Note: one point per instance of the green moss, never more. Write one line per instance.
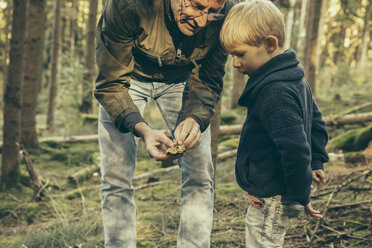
(352, 140)
(231, 143)
(228, 118)
(354, 157)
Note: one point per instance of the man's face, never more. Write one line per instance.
(193, 15)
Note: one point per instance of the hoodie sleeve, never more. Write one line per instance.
(205, 87)
(319, 139)
(116, 30)
(282, 119)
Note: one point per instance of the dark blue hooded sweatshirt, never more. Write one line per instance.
(284, 136)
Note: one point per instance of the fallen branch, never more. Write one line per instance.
(36, 185)
(349, 205)
(147, 185)
(344, 234)
(83, 174)
(349, 179)
(148, 174)
(226, 155)
(349, 119)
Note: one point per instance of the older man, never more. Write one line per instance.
(168, 50)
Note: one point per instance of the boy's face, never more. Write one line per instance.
(247, 59)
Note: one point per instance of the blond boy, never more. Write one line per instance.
(282, 144)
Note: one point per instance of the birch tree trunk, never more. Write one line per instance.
(54, 67)
(290, 16)
(89, 75)
(238, 87)
(365, 37)
(13, 98)
(301, 28)
(215, 127)
(33, 70)
(311, 43)
(7, 14)
(73, 27)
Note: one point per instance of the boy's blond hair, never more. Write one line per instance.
(250, 23)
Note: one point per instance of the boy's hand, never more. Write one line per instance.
(312, 212)
(319, 176)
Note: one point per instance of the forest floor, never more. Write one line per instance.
(69, 214)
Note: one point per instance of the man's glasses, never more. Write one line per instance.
(198, 11)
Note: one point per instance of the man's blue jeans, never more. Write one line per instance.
(118, 162)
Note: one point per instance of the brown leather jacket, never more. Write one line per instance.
(139, 39)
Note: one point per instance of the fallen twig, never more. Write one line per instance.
(349, 205)
(36, 185)
(345, 234)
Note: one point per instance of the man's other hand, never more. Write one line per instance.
(156, 142)
(319, 176)
(188, 133)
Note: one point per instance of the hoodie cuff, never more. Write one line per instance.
(129, 121)
(316, 162)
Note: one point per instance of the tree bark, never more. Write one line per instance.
(238, 87)
(54, 64)
(301, 28)
(215, 127)
(33, 70)
(7, 29)
(89, 75)
(311, 43)
(13, 98)
(290, 17)
(365, 37)
(73, 27)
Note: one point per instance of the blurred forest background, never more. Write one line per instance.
(49, 186)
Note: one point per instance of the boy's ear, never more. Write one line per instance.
(271, 43)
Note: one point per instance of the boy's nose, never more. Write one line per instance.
(236, 63)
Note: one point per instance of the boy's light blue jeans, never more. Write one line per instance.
(118, 162)
(267, 221)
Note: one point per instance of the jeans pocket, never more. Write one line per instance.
(292, 210)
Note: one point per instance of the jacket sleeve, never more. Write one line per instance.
(282, 119)
(205, 87)
(116, 31)
(319, 139)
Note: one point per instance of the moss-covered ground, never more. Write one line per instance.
(70, 214)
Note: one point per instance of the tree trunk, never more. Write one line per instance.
(33, 70)
(290, 16)
(54, 63)
(13, 97)
(312, 31)
(7, 29)
(238, 87)
(301, 28)
(365, 38)
(89, 75)
(73, 27)
(215, 127)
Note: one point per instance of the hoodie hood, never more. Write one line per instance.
(283, 67)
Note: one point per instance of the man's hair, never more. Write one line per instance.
(251, 22)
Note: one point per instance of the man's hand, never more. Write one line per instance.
(319, 176)
(188, 133)
(156, 142)
(312, 212)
